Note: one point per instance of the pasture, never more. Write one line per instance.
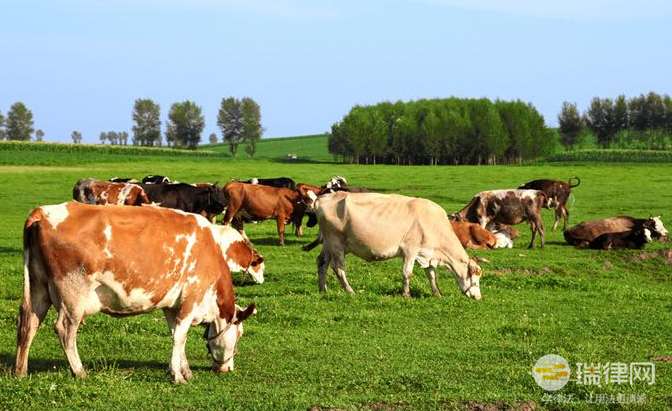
(373, 350)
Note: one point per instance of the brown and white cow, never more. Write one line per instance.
(583, 234)
(381, 226)
(557, 193)
(91, 191)
(472, 235)
(509, 207)
(85, 259)
(255, 202)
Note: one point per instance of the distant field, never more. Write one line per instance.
(307, 148)
(374, 350)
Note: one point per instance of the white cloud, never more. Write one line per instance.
(567, 9)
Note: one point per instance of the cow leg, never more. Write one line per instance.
(323, 260)
(171, 319)
(407, 273)
(558, 216)
(179, 341)
(338, 265)
(31, 315)
(565, 214)
(281, 229)
(66, 326)
(431, 276)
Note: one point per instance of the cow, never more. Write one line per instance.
(383, 226)
(151, 179)
(472, 235)
(636, 238)
(207, 201)
(123, 180)
(582, 234)
(507, 207)
(91, 191)
(122, 261)
(254, 202)
(504, 234)
(278, 182)
(557, 193)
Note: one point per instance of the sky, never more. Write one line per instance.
(80, 64)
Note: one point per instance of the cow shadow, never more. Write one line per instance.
(276, 241)
(10, 250)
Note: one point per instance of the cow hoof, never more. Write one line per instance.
(187, 374)
(80, 375)
(179, 379)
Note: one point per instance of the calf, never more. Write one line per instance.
(208, 201)
(557, 193)
(474, 236)
(507, 207)
(582, 234)
(85, 259)
(254, 202)
(628, 239)
(97, 192)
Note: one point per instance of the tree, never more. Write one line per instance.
(76, 137)
(103, 137)
(185, 124)
(251, 119)
(213, 138)
(19, 122)
(230, 121)
(3, 131)
(147, 127)
(600, 119)
(571, 124)
(123, 138)
(39, 135)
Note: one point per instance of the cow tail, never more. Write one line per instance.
(578, 182)
(29, 230)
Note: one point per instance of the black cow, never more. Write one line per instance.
(279, 182)
(156, 180)
(636, 238)
(209, 201)
(122, 180)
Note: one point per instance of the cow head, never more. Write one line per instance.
(239, 253)
(336, 183)
(222, 337)
(469, 281)
(655, 225)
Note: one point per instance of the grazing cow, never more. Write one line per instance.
(92, 191)
(207, 201)
(156, 180)
(122, 261)
(252, 202)
(472, 235)
(581, 235)
(636, 238)
(557, 193)
(506, 207)
(379, 227)
(278, 182)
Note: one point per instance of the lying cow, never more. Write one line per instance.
(151, 179)
(208, 201)
(557, 193)
(504, 234)
(628, 239)
(581, 235)
(379, 227)
(85, 259)
(472, 235)
(252, 202)
(278, 182)
(509, 207)
(91, 191)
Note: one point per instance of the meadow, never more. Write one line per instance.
(375, 349)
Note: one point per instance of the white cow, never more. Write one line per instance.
(380, 226)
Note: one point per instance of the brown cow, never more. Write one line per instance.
(84, 259)
(472, 235)
(255, 202)
(506, 207)
(581, 235)
(557, 193)
(97, 192)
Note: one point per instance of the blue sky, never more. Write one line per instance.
(80, 64)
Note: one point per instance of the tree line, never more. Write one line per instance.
(442, 131)
(238, 119)
(644, 121)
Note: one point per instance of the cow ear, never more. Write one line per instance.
(242, 315)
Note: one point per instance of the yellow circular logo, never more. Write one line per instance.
(551, 372)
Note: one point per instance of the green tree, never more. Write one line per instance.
(39, 135)
(147, 123)
(76, 137)
(570, 124)
(103, 137)
(252, 129)
(433, 129)
(185, 124)
(600, 119)
(123, 138)
(19, 122)
(212, 138)
(3, 130)
(230, 121)
(620, 114)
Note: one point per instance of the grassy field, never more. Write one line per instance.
(307, 148)
(374, 350)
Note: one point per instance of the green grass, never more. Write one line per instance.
(614, 156)
(307, 148)
(374, 349)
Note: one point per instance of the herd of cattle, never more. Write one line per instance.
(160, 248)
